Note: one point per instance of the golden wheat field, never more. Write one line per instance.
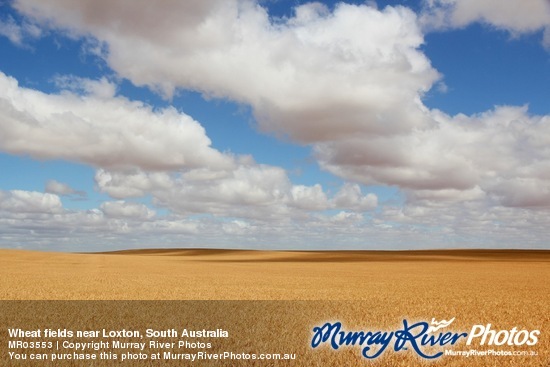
(273, 299)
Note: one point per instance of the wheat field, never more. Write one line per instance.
(279, 296)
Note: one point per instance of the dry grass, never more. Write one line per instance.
(505, 288)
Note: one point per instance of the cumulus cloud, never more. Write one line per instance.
(38, 220)
(309, 197)
(249, 191)
(316, 76)
(123, 209)
(348, 82)
(343, 217)
(129, 184)
(237, 227)
(471, 224)
(350, 197)
(100, 129)
(463, 156)
(18, 201)
(331, 79)
(35, 219)
(515, 16)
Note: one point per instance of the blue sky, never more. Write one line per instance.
(274, 124)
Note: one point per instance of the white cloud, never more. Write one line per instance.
(515, 16)
(309, 197)
(343, 217)
(348, 82)
(174, 226)
(100, 129)
(331, 79)
(37, 220)
(18, 201)
(123, 209)
(357, 65)
(350, 197)
(135, 183)
(248, 191)
(236, 227)
(460, 155)
(444, 197)
(527, 192)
